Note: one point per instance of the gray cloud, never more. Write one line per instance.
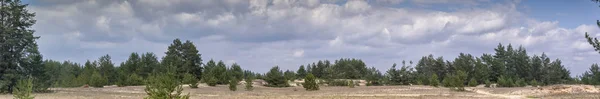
(259, 34)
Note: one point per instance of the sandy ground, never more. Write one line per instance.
(259, 92)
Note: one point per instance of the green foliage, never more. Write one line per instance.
(534, 83)
(374, 77)
(447, 82)
(184, 57)
(211, 81)
(351, 84)
(191, 80)
(454, 81)
(592, 76)
(289, 75)
(402, 76)
(344, 69)
(129, 80)
(249, 86)
(23, 89)
(107, 70)
(505, 82)
(593, 41)
(275, 78)
(301, 72)
(19, 52)
(135, 80)
(429, 65)
(433, 81)
(164, 86)
(220, 73)
(310, 83)
(236, 71)
(97, 80)
(233, 84)
(488, 83)
(520, 83)
(472, 83)
(63, 74)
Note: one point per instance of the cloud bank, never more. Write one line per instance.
(259, 34)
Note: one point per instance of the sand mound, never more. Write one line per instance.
(558, 89)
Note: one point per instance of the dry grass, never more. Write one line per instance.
(259, 92)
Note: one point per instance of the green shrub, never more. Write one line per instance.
(96, 80)
(520, 83)
(504, 81)
(164, 86)
(534, 83)
(419, 82)
(211, 81)
(23, 89)
(309, 83)
(447, 82)
(249, 86)
(454, 81)
(275, 78)
(233, 84)
(433, 81)
(472, 83)
(350, 83)
(488, 83)
(135, 80)
(191, 80)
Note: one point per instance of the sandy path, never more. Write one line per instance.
(496, 95)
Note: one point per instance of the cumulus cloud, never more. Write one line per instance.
(259, 34)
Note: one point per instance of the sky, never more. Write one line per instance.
(260, 34)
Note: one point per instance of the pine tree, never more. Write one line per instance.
(275, 78)
(249, 86)
(534, 83)
(593, 41)
(107, 69)
(220, 73)
(236, 71)
(191, 80)
(209, 71)
(393, 75)
(351, 84)
(433, 81)
(233, 84)
(301, 72)
(211, 81)
(184, 57)
(97, 80)
(149, 64)
(164, 86)
(488, 83)
(472, 83)
(135, 80)
(289, 75)
(23, 89)
(18, 49)
(310, 83)
(374, 77)
(592, 76)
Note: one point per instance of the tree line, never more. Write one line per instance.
(508, 67)
(22, 67)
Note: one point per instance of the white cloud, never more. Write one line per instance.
(263, 33)
(298, 53)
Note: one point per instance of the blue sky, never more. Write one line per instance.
(259, 34)
(570, 13)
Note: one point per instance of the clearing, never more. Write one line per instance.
(359, 92)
